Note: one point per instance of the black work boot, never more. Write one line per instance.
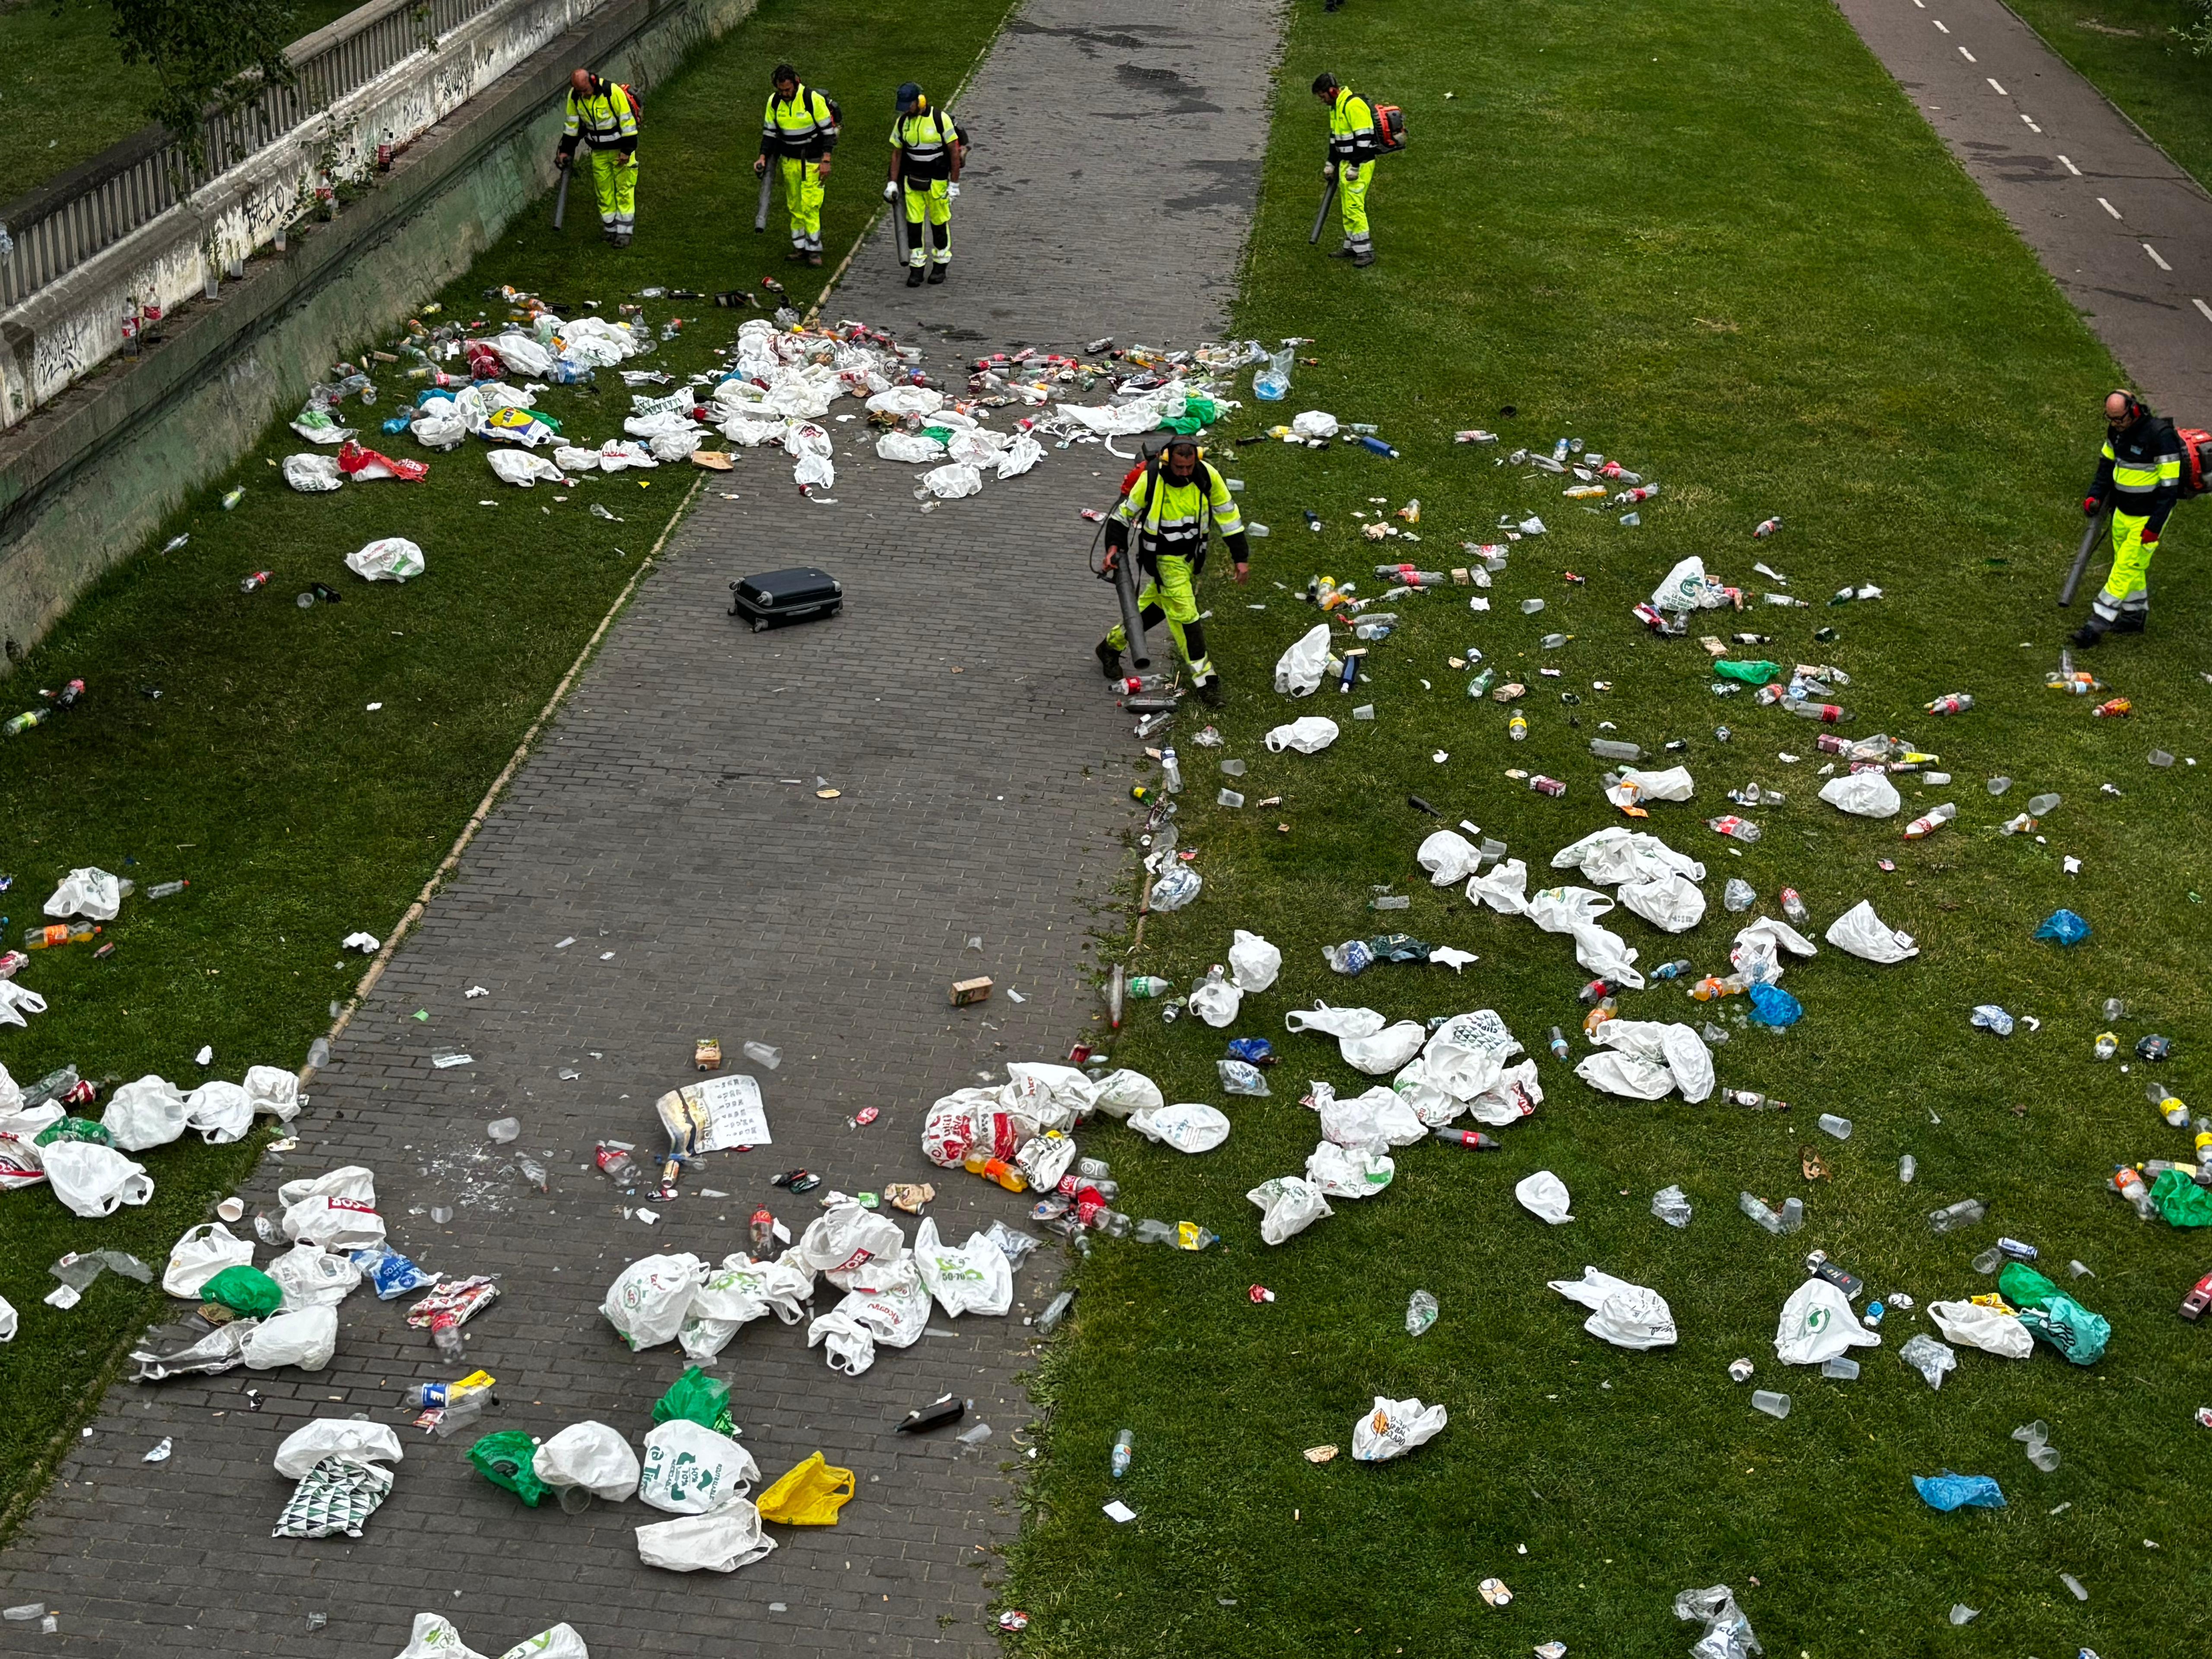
(914, 276)
(2131, 623)
(1109, 660)
(1365, 256)
(1346, 252)
(937, 272)
(2090, 633)
(1209, 690)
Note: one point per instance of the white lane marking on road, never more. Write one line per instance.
(2202, 306)
(2154, 259)
(1968, 55)
(1992, 80)
(2108, 207)
(2070, 167)
(2031, 127)
(1939, 24)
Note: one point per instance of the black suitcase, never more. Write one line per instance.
(777, 597)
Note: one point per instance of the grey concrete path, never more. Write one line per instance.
(982, 770)
(2127, 234)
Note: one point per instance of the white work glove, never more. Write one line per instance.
(1329, 169)
(952, 193)
(891, 190)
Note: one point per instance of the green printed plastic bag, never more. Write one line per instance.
(506, 1459)
(2069, 1327)
(75, 1129)
(2024, 1287)
(247, 1291)
(696, 1398)
(1751, 673)
(2181, 1200)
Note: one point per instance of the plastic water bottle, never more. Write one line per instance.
(1420, 1313)
(1559, 1044)
(1055, 1312)
(1758, 1210)
(1125, 1449)
(1965, 1213)
(1377, 446)
(1171, 770)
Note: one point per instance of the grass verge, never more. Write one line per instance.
(2126, 50)
(1711, 239)
(263, 774)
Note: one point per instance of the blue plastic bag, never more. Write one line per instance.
(1252, 1051)
(1772, 1006)
(392, 1274)
(2064, 926)
(1947, 1491)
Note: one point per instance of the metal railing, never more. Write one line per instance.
(66, 221)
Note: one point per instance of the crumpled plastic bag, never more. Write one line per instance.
(1380, 1116)
(1634, 785)
(1466, 1055)
(87, 892)
(371, 466)
(222, 1111)
(649, 1299)
(1314, 423)
(312, 1277)
(1947, 1491)
(1544, 1195)
(1394, 1428)
(390, 558)
(1189, 1127)
(1772, 1006)
(888, 1304)
(1687, 588)
(1973, 1325)
(1123, 1092)
(1673, 903)
(689, 1468)
(2181, 1200)
(1058, 1097)
(737, 1292)
(1176, 889)
(1253, 963)
(1288, 1205)
(517, 467)
(1757, 952)
(1616, 854)
(1929, 1357)
(313, 474)
(303, 1337)
(1504, 890)
(16, 1001)
(1298, 670)
(336, 1210)
(1866, 935)
(1863, 794)
(1728, 1632)
(1350, 1171)
(975, 1278)
(1338, 1023)
(952, 481)
(355, 1439)
(592, 1456)
(1308, 735)
(1216, 1002)
(844, 1239)
(1019, 457)
(912, 447)
(2063, 926)
(1385, 1050)
(1817, 1324)
(145, 1114)
(1627, 1315)
(722, 1542)
(1644, 1059)
(200, 1255)
(95, 1181)
(1448, 857)
(523, 355)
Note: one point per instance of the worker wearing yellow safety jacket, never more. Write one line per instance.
(2139, 477)
(798, 131)
(926, 149)
(600, 113)
(1171, 503)
(1352, 152)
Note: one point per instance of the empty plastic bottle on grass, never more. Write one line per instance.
(1828, 714)
(1420, 1313)
(1906, 1169)
(1613, 749)
(1952, 1217)
(1735, 829)
(1125, 1452)
(1473, 1140)
(1150, 985)
(1739, 895)
(1055, 1312)
(2168, 1106)
(1787, 1219)
(2128, 1184)
(61, 932)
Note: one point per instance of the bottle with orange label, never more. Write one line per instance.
(979, 1162)
(44, 938)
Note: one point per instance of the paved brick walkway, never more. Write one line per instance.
(956, 708)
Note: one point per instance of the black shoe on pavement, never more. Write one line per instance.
(937, 272)
(2090, 633)
(1109, 660)
(914, 276)
(1209, 691)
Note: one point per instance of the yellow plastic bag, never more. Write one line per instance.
(808, 1496)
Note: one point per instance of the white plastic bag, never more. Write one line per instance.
(1338, 1023)
(95, 1181)
(1189, 1127)
(145, 1114)
(911, 447)
(1288, 1204)
(1124, 1091)
(1865, 934)
(1989, 1329)
(87, 892)
(842, 1241)
(1308, 734)
(200, 1255)
(1544, 1195)
(1817, 1324)
(737, 1292)
(567, 458)
(1679, 1053)
(517, 467)
(976, 1278)
(1467, 1053)
(313, 474)
(1314, 423)
(1350, 1171)
(1394, 1428)
(1687, 588)
(647, 1302)
(888, 1304)
(1673, 903)
(1176, 889)
(355, 1439)
(1216, 1001)
(305, 1337)
(1057, 1096)
(435, 1637)
(690, 1469)
(523, 355)
(1675, 783)
(1757, 952)
(953, 480)
(391, 558)
(337, 1210)
(312, 1277)
(274, 1090)
(220, 1111)
(1863, 794)
(1448, 857)
(1627, 1315)
(1504, 890)
(591, 1455)
(723, 1541)
(1298, 670)
(1385, 1050)
(1253, 963)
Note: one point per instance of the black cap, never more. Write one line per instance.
(909, 94)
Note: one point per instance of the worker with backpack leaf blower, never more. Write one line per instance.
(1171, 499)
(1358, 131)
(604, 114)
(2147, 466)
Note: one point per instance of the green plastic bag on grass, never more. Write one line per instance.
(507, 1459)
(2069, 1327)
(247, 1291)
(1751, 673)
(2024, 1287)
(75, 1129)
(2181, 1200)
(697, 1397)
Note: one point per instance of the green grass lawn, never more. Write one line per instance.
(1711, 239)
(2127, 50)
(261, 776)
(65, 90)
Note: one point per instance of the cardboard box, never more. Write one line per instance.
(967, 990)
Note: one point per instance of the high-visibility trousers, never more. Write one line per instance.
(614, 180)
(802, 195)
(928, 196)
(1170, 595)
(2126, 591)
(1352, 184)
